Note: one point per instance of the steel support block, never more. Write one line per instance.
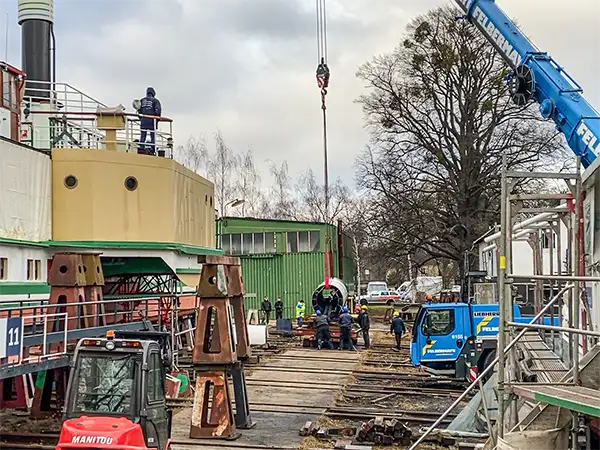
(220, 341)
(236, 291)
(212, 413)
(242, 408)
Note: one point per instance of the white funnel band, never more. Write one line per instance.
(36, 10)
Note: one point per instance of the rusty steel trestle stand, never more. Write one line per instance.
(76, 282)
(220, 347)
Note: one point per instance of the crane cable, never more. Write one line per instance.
(322, 75)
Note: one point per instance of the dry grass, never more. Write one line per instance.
(328, 422)
(311, 442)
(382, 337)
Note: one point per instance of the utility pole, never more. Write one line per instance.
(357, 256)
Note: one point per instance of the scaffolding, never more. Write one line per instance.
(571, 392)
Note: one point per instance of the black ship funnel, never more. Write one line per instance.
(36, 18)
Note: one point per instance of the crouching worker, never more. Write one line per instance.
(323, 336)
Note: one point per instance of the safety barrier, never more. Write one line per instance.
(45, 352)
(108, 311)
(57, 115)
(60, 97)
(45, 331)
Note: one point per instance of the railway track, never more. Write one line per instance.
(28, 441)
(390, 392)
(338, 412)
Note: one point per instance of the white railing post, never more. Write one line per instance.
(44, 345)
(65, 333)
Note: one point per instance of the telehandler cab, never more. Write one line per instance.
(116, 393)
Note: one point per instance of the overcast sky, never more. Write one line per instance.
(247, 66)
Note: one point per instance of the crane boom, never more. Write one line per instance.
(537, 76)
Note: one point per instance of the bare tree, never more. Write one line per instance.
(193, 155)
(283, 204)
(440, 119)
(221, 171)
(311, 196)
(264, 208)
(248, 185)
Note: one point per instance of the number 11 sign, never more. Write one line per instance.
(11, 331)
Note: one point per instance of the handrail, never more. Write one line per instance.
(80, 130)
(83, 319)
(107, 310)
(57, 115)
(95, 114)
(45, 325)
(103, 301)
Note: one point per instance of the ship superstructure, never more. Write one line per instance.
(75, 189)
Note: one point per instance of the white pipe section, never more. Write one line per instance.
(488, 248)
(521, 225)
(523, 233)
(518, 235)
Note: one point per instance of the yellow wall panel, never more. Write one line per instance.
(170, 203)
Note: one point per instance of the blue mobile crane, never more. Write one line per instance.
(460, 339)
(536, 76)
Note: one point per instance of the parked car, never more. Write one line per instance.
(381, 298)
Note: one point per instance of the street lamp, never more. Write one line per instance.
(233, 203)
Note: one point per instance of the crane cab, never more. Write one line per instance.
(116, 396)
(440, 335)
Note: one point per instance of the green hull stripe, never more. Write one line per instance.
(22, 242)
(123, 245)
(135, 245)
(188, 271)
(10, 288)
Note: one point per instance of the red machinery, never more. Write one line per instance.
(116, 394)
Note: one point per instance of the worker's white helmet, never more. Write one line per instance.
(137, 104)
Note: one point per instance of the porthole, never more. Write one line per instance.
(70, 181)
(131, 183)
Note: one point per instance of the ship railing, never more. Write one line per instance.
(80, 130)
(58, 96)
(49, 331)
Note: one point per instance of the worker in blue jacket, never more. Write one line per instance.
(397, 328)
(149, 106)
(345, 323)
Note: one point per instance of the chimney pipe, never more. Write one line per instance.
(36, 18)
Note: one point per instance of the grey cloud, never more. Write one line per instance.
(277, 19)
(247, 66)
